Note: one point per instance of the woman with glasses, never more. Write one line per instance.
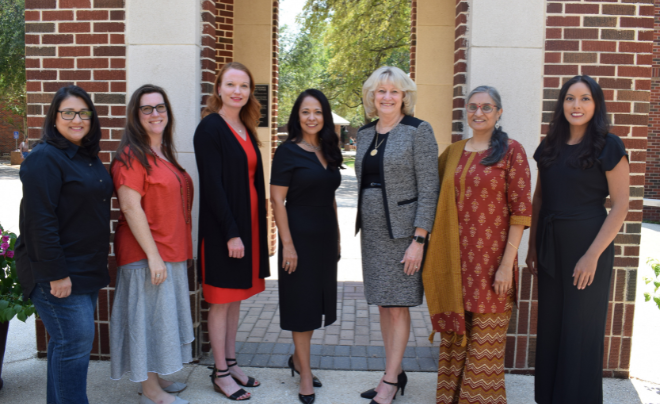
(62, 252)
(151, 330)
(471, 268)
(396, 167)
(233, 238)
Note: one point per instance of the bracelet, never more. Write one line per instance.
(513, 246)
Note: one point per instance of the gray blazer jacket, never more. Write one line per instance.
(409, 173)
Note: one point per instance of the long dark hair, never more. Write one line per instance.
(250, 113)
(499, 140)
(327, 136)
(588, 150)
(135, 142)
(49, 133)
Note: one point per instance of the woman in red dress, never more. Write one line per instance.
(233, 249)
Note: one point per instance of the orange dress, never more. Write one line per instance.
(215, 295)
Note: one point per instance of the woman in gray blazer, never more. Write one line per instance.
(397, 170)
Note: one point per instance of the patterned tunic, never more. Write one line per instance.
(489, 199)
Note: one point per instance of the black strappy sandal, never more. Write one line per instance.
(236, 395)
(393, 397)
(251, 380)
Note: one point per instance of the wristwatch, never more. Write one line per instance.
(419, 239)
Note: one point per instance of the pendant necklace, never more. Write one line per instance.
(377, 145)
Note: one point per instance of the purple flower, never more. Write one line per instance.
(5, 239)
(9, 254)
(4, 246)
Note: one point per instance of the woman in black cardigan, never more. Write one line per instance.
(233, 249)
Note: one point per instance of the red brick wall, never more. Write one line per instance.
(79, 42)
(7, 142)
(652, 183)
(460, 69)
(612, 42)
(413, 39)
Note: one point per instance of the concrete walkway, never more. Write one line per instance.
(24, 374)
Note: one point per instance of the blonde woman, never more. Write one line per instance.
(397, 170)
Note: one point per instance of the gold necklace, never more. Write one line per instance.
(377, 145)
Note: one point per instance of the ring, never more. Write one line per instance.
(416, 267)
(158, 275)
(288, 263)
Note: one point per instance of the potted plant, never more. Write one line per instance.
(11, 294)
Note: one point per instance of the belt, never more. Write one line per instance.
(546, 252)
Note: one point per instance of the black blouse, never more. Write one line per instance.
(224, 205)
(64, 219)
(371, 176)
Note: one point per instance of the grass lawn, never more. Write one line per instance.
(349, 162)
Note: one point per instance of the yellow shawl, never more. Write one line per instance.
(442, 265)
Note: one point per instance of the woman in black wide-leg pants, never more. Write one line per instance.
(571, 243)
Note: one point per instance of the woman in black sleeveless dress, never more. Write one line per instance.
(306, 174)
(571, 243)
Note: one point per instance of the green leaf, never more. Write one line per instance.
(3, 304)
(21, 316)
(657, 301)
(647, 296)
(8, 313)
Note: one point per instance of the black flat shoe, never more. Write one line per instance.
(402, 381)
(308, 399)
(315, 380)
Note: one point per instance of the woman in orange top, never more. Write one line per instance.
(151, 330)
(233, 239)
(471, 266)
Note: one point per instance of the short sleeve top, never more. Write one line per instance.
(309, 183)
(567, 188)
(167, 195)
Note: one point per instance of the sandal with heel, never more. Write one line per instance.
(251, 380)
(236, 395)
(402, 379)
(395, 391)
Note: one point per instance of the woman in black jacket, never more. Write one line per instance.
(233, 240)
(62, 253)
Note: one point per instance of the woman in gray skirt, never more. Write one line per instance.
(396, 166)
(151, 329)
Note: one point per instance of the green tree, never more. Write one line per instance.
(13, 97)
(359, 36)
(302, 64)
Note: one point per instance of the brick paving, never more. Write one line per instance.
(353, 342)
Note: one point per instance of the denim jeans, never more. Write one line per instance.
(70, 323)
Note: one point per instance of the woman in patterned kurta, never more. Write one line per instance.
(486, 182)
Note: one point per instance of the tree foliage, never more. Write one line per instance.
(12, 59)
(340, 44)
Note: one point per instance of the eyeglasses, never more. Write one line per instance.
(485, 108)
(71, 115)
(148, 109)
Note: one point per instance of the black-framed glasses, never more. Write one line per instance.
(85, 115)
(149, 109)
(485, 108)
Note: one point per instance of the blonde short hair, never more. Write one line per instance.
(396, 77)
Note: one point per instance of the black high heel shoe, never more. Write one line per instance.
(315, 381)
(306, 399)
(393, 397)
(402, 380)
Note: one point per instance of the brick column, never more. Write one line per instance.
(612, 42)
(79, 42)
(413, 38)
(460, 69)
(652, 183)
